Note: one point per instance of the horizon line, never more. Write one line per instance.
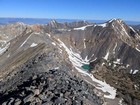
(68, 18)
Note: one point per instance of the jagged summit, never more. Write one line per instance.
(113, 19)
(119, 21)
(75, 24)
(53, 23)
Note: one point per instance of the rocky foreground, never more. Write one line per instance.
(53, 87)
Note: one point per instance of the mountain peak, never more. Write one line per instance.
(115, 20)
(52, 22)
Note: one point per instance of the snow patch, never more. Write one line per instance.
(56, 68)
(136, 87)
(103, 63)
(82, 28)
(49, 35)
(106, 56)
(120, 102)
(114, 48)
(2, 50)
(127, 65)
(117, 62)
(114, 65)
(84, 43)
(86, 59)
(101, 85)
(131, 71)
(135, 71)
(103, 25)
(93, 60)
(69, 30)
(33, 45)
(109, 64)
(53, 43)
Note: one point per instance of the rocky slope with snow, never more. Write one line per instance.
(106, 56)
(112, 51)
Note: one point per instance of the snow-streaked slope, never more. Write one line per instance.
(77, 61)
(75, 58)
(112, 20)
(102, 25)
(82, 28)
(25, 41)
(2, 50)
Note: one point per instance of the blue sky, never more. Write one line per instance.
(72, 9)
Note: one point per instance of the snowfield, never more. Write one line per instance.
(77, 61)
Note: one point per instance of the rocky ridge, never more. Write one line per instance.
(55, 86)
(46, 89)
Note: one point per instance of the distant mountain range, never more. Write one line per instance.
(46, 20)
